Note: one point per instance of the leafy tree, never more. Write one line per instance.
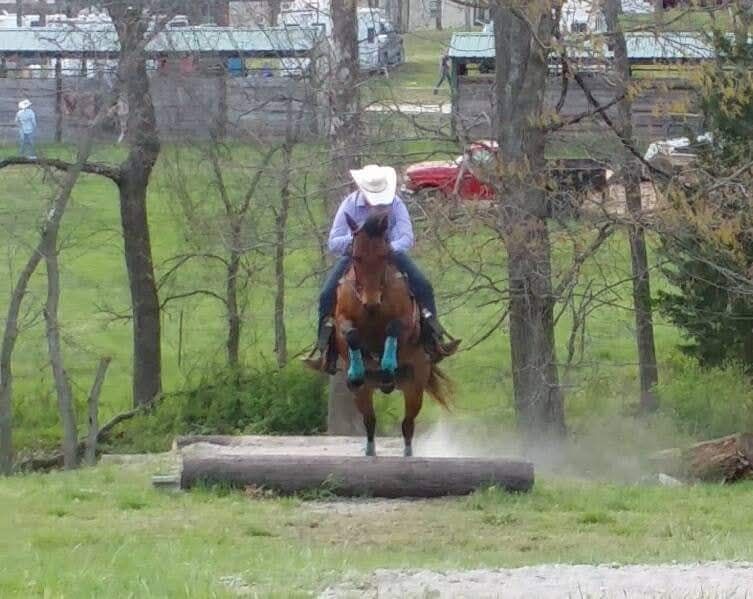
(707, 240)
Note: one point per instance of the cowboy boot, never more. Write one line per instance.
(437, 348)
(322, 358)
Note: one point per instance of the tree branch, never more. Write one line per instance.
(94, 168)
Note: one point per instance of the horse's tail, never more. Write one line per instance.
(440, 387)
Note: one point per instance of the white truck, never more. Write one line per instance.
(379, 44)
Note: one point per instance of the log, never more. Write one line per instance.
(388, 477)
(726, 460)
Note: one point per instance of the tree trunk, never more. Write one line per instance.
(638, 255)
(355, 476)
(136, 171)
(274, 12)
(90, 452)
(345, 128)
(19, 13)
(10, 335)
(728, 459)
(438, 16)
(538, 398)
(281, 224)
(521, 70)
(233, 313)
(60, 376)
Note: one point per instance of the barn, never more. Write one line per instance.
(662, 104)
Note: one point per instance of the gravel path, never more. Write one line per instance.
(681, 581)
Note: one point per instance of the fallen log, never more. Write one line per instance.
(724, 460)
(356, 476)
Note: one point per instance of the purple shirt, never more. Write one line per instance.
(400, 232)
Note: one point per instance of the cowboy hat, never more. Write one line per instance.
(377, 183)
(24, 104)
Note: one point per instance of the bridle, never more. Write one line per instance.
(353, 283)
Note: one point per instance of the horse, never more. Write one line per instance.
(378, 333)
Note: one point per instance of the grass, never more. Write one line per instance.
(104, 532)
(414, 80)
(601, 379)
(679, 19)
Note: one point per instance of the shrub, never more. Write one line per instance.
(271, 401)
(708, 402)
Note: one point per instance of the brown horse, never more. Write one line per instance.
(378, 332)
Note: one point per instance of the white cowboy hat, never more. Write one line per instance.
(378, 183)
(24, 104)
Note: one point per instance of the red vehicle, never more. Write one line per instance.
(458, 178)
(452, 177)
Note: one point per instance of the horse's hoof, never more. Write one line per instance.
(387, 389)
(408, 451)
(370, 449)
(355, 384)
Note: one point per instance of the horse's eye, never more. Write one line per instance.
(357, 259)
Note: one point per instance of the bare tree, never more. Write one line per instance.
(631, 177)
(131, 21)
(345, 131)
(522, 41)
(46, 248)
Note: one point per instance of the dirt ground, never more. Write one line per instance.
(681, 581)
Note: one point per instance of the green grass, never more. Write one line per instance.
(414, 80)
(679, 19)
(104, 532)
(602, 378)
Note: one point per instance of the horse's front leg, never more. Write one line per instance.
(356, 369)
(388, 365)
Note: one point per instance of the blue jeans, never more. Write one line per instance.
(419, 284)
(26, 145)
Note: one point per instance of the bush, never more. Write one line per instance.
(708, 402)
(288, 401)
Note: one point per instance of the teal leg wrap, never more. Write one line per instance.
(389, 357)
(356, 368)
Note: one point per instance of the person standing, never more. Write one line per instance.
(26, 121)
(444, 70)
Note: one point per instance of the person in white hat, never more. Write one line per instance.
(26, 121)
(376, 192)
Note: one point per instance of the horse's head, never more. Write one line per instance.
(370, 254)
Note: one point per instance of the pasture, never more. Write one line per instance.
(104, 531)
(600, 378)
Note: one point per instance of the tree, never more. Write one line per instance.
(523, 37)
(132, 22)
(345, 131)
(631, 177)
(707, 239)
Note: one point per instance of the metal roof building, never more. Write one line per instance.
(643, 47)
(215, 41)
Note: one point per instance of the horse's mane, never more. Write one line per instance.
(376, 225)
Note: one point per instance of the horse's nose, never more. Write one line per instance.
(371, 307)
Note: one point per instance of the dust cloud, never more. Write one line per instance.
(613, 448)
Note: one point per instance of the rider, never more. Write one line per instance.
(376, 192)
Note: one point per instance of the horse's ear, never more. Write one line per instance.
(351, 223)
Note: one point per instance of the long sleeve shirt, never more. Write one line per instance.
(400, 231)
(26, 121)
